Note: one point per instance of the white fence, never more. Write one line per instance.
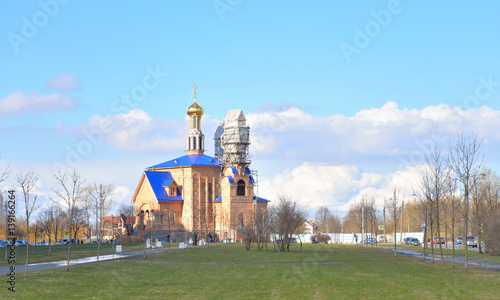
(353, 238)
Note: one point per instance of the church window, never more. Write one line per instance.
(241, 188)
(172, 191)
(199, 142)
(194, 143)
(194, 122)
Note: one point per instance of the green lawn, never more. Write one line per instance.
(229, 271)
(60, 252)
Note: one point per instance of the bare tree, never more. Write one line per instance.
(352, 221)
(334, 223)
(59, 220)
(79, 221)
(490, 223)
(101, 195)
(453, 203)
(395, 211)
(435, 172)
(49, 222)
(5, 173)
(288, 219)
(321, 218)
(126, 210)
(27, 182)
(465, 160)
(87, 204)
(69, 194)
(262, 227)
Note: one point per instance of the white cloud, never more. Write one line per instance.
(20, 102)
(339, 186)
(137, 131)
(387, 131)
(67, 82)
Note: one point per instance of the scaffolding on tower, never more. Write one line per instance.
(232, 139)
(255, 177)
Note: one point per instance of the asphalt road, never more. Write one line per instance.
(459, 247)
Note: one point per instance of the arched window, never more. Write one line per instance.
(194, 143)
(241, 188)
(194, 122)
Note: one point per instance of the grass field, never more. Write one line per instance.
(229, 271)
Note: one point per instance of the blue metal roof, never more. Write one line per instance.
(173, 199)
(247, 170)
(251, 179)
(218, 199)
(167, 182)
(260, 199)
(235, 171)
(189, 160)
(157, 180)
(230, 178)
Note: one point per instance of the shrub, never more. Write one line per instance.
(322, 239)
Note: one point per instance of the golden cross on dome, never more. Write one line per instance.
(194, 91)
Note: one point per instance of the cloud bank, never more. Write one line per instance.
(66, 82)
(19, 102)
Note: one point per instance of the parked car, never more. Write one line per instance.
(436, 240)
(22, 243)
(471, 241)
(370, 240)
(66, 241)
(458, 241)
(44, 243)
(406, 240)
(414, 242)
(4, 243)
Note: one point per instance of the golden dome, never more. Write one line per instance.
(195, 108)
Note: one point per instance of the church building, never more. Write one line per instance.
(197, 193)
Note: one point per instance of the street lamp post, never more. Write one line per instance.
(362, 220)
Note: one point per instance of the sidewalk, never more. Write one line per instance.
(447, 258)
(84, 260)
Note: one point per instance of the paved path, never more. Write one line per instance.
(62, 263)
(447, 258)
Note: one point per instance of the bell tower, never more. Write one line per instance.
(195, 138)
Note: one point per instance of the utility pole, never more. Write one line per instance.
(401, 235)
(385, 236)
(363, 220)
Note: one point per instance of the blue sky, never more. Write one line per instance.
(358, 117)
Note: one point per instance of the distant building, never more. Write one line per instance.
(197, 192)
(309, 227)
(113, 226)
